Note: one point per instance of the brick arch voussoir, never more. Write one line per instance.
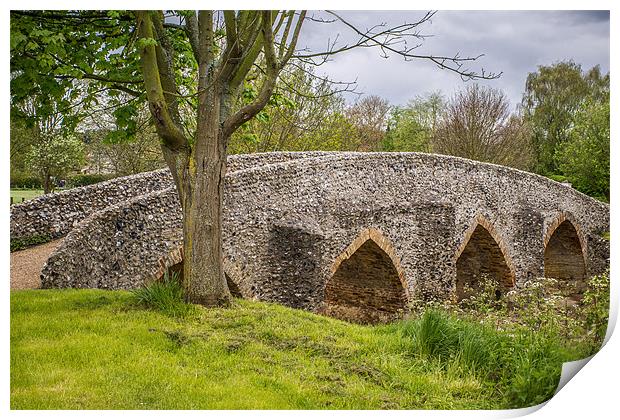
(560, 218)
(480, 220)
(383, 243)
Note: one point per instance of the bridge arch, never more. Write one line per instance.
(565, 254)
(482, 253)
(367, 282)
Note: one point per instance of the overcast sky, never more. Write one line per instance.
(514, 43)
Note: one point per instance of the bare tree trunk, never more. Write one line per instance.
(47, 183)
(202, 197)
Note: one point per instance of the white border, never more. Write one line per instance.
(592, 393)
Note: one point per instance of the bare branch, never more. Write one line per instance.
(393, 40)
(293, 44)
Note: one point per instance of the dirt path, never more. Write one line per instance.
(26, 265)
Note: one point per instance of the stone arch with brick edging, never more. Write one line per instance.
(565, 255)
(480, 220)
(367, 282)
(565, 216)
(382, 242)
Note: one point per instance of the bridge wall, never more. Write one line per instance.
(287, 223)
(56, 214)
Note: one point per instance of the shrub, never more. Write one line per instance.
(596, 308)
(165, 295)
(26, 182)
(27, 242)
(485, 297)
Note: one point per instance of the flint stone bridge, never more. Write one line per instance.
(352, 235)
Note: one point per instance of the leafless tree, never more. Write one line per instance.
(369, 119)
(478, 125)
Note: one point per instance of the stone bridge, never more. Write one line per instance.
(353, 235)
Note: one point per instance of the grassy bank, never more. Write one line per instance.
(24, 195)
(99, 350)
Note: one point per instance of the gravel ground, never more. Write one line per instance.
(26, 265)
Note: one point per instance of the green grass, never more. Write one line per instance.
(26, 195)
(165, 295)
(100, 350)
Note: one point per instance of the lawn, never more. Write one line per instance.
(97, 349)
(24, 195)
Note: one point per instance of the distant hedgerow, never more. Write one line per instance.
(27, 242)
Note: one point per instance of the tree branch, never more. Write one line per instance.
(172, 137)
(293, 44)
(164, 53)
(289, 22)
(234, 68)
(191, 28)
(394, 40)
(249, 111)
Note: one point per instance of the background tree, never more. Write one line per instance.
(411, 128)
(478, 125)
(190, 67)
(304, 113)
(553, 95)
(38, 122)
(110, 150)
(584, 157)
(22, 138)
(368, 118)
(54, 157)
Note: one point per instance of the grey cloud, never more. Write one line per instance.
(513, 42)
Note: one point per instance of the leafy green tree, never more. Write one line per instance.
(191, 68)
(303, 114)
(21, 139)
(411, 128)
(54, 157)
(584, 157)
(553, 95)
(404, 133)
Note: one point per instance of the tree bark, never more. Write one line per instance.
(201, 193)
(47, 183)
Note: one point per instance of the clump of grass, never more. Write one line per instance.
(524, 366)
(165, 295)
